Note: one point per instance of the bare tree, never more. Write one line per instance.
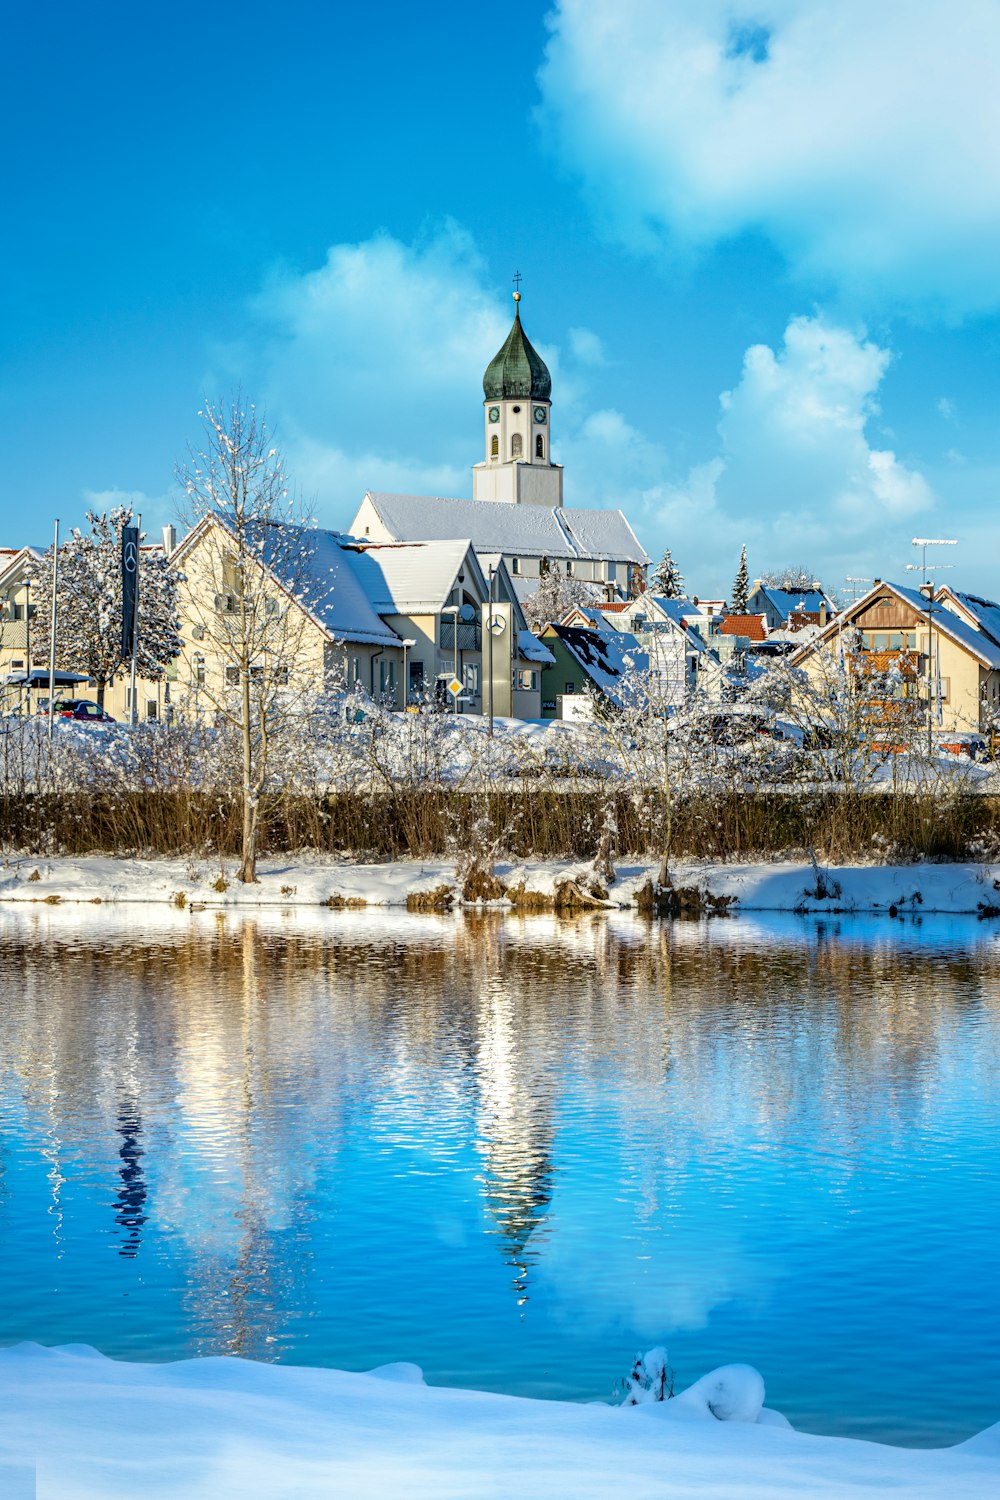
(252, 587)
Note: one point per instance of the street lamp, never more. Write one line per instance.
(407, 646)
(923, 542)
(452, 609)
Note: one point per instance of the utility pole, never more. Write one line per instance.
(923, 542)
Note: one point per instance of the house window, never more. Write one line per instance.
(539, 446)
(152, 709)
(612, 572)
(356, 670)
(17, 666)
(198, 669)
(470, 674)
(494, 446)
(525, 681)
(387, 677)
(232, 677)
(515, 565)
(569, 569)
(516, 445)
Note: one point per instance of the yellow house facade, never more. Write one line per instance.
(938, 651)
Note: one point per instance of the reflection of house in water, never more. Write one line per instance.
(514, 1128)
(130, 1203)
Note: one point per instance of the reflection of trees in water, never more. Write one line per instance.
(215, 1074)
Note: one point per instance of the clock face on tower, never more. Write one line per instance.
(494, 413)
(539, 414)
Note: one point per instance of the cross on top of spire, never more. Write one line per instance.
(517, 278)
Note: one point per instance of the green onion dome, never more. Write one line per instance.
(518, 369)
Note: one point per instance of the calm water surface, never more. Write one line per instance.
(514, 1150)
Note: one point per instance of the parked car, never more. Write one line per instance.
(85, 710)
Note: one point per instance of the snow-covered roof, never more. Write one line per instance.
(785, 600)
(604, 655)
(986, 612)
(977, 641)
(337, 597)
(409, 578)
(516, 530)
(530, 648)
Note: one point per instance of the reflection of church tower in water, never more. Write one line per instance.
(130, 1204)
(514, 1131)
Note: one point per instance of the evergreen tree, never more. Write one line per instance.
(89, 624)
(741, 587)
(667, 579)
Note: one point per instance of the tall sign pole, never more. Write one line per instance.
(52, 636)
(130, 603)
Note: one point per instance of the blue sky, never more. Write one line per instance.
(760, 246)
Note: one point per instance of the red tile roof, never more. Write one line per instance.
(615, 607)
(752, 626)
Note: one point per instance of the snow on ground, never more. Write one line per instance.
(309, 880)
(83, 1427)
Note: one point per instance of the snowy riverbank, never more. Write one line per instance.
(312, 881)
(84, 1427)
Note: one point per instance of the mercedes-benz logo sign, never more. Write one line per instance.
(130, 557)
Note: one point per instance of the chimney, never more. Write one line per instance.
(169, 540)
(822, 613)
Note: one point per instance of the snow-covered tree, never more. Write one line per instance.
(667, 580)
(89, 590)
(792, 576)
(554, 597)
(249, 592)
(741, 587)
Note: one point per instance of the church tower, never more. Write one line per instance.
(517, 387)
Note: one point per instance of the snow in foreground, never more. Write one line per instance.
(306, 880)
(91, 1427)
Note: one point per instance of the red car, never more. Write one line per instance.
(83, 709)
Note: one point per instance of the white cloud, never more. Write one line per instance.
(370, 367)
(797, 477)
(859, 137)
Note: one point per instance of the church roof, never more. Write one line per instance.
(518, 369)
(516, 530)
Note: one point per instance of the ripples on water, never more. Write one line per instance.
(513, 1150)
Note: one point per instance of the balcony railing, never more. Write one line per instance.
(470, 635)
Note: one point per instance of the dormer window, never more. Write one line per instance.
(515, 565)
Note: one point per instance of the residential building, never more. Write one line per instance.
(587, 660)
(945, 651)
(395, 620)
(777, 604)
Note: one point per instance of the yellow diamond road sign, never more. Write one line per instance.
(454, 687)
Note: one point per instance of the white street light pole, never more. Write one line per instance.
(452, 609)
(407, 646)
